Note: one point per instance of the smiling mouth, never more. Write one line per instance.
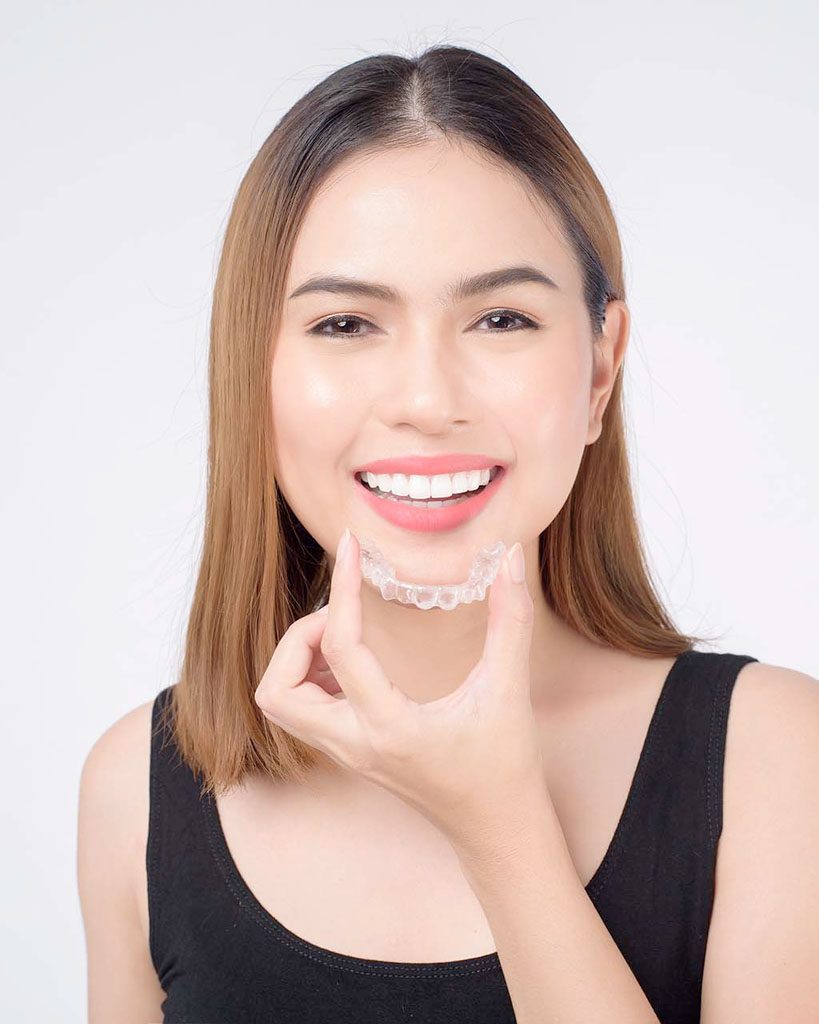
(431, 503)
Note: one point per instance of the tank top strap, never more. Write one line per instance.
(725, 669)
(177, 856)
(674, 813)
(684, 769)
(169, 769)
(657, 893)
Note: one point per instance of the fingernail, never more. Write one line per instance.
(517, 566)
(343, 544)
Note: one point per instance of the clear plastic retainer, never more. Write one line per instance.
(381, 574)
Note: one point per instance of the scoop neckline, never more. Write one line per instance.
(248, 901)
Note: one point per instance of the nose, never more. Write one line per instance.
(428, 384)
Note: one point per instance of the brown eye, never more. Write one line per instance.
(340, 321)
(507, 314)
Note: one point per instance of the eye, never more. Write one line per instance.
(507, 314)
(338, 320)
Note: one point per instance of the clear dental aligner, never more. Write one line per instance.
(381, 574)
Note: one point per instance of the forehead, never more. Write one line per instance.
(422, 215)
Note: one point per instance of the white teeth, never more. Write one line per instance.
(421, 488)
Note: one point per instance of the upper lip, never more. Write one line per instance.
(430, 465)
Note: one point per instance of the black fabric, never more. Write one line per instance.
(223, 959)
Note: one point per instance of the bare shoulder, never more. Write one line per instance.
(771, 706)
(116, 784)
(773, 720)
(111, 844)
(127, 734)
(766, 885)
(115, 774)
(764, 678)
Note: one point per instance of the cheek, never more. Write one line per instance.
(549, 397)
(310, 420)
(550, 427)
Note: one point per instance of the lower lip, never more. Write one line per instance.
(428, 520)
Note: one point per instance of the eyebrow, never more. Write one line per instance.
(463, 288)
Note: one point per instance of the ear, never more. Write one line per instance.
(607, 355)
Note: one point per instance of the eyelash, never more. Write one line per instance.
(527, 324)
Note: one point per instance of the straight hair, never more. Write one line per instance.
(260, 570)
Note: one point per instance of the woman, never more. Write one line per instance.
(509, 809)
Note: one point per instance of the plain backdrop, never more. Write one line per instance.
(126, 130)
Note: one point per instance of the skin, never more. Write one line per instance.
(427, 377)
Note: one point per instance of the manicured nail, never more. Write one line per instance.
(517, 566)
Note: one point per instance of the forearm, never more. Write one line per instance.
(559, 961)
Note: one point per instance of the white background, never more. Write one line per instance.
(126, 130)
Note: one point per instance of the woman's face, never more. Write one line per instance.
(425, 374)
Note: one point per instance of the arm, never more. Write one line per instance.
(559, 961)
(762, 958)
(122, 982)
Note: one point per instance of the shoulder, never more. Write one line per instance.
(771, 707)
(772, 740)
(766, 885)
(114, 789)
(111, 872)
(113, 764)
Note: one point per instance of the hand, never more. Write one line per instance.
(464, 761)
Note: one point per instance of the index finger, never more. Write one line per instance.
(356, 668)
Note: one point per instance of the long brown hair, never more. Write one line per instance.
(260, 570)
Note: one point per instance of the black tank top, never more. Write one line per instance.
(221, 958)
